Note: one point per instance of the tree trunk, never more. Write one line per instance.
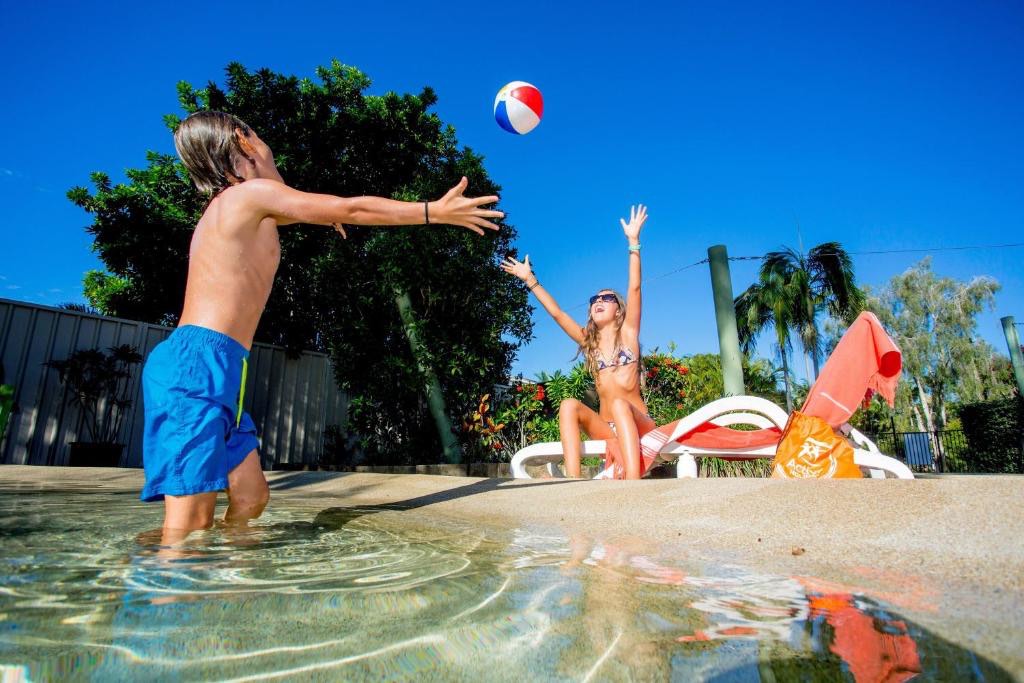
(917, 418)
(923, 398)
(814, 358)
(930, 422)
(817, 340)
(785, 377)
(981, 385)
(435, 399)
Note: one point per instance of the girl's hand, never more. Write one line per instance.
(522, 270)
(455, 209)
(637, 217)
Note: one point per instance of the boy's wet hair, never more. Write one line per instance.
(208, 146)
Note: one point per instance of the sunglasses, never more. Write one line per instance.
(607, 298)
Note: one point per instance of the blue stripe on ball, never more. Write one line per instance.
(501, 116)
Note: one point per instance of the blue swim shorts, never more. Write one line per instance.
(195, 429)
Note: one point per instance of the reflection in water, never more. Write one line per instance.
(373, 593)
(786, 611)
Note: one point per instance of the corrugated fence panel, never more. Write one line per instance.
(292, 401)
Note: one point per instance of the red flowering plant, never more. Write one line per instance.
(677, 386)
(524, 413)
(511, 425)
(666, 387)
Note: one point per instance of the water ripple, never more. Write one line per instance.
(381, 594)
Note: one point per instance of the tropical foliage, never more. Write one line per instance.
(795, 292)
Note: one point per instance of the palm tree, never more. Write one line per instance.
(818, 281)
(765, 304)
(793, 288)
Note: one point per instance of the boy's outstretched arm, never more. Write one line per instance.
(288, 205)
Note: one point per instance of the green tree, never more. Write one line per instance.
(331, 294)
(819, 282)
(106, 293)
(141, 231)
(767, 304)
(934, 321)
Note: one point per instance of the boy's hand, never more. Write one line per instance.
(637, 217)
(454, 209)
(340, 229)
(521, 270)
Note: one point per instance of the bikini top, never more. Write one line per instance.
(621, 357)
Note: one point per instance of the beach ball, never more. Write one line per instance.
(518, 107)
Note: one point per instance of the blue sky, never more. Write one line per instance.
(880, 125)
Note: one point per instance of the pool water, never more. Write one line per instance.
(318, 593)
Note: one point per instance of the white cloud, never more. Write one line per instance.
(13, 286)
(55, 290)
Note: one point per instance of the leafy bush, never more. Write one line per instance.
(994, 433)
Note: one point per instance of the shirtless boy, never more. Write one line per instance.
(197, 439)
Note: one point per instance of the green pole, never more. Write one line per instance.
(435, 399)
(725, 315)
(1016, 357)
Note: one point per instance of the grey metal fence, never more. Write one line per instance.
(948, 450)
(292, 401)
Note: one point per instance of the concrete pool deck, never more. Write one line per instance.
(933, 547)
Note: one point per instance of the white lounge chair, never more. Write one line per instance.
(706, 433)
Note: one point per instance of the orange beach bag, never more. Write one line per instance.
(809, 449)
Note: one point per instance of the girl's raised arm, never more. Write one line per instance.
(524, 271)
(637, 217)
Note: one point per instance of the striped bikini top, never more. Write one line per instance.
(621, 357)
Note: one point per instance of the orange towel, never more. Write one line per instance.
(707, 435)
(865, 361)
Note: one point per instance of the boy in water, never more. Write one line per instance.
(197, 439)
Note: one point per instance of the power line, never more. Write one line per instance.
(677, 270)
(872, 252)
(976, 246)
(900, 251)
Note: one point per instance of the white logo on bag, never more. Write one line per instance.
(810, 468)
(812, 450)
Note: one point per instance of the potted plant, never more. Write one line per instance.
(98, 382)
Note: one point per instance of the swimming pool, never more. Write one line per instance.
(377, 593)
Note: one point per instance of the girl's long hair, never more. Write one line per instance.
(589, 346)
